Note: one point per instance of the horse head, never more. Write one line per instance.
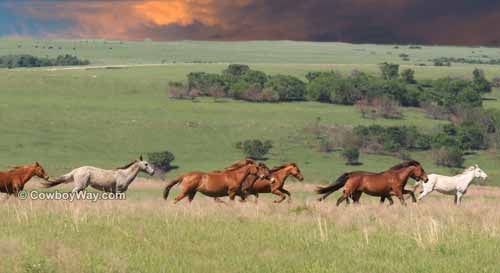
(263, 171)
(478, 173)
(295, 172)
(145, 166)
(39, 171)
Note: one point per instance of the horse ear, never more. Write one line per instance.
(140, 158)
(37, 164)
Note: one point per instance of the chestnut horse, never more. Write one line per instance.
(275, 184)
(384, 184)
(13, 181)
(227, 182)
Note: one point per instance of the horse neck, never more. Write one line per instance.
(404, 174)
(467, 178)
(131, 173)
(241, 173)
(281, 175)
(26, 174)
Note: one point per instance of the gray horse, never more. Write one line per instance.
(114, 181)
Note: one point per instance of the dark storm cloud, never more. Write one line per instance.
(361, 21)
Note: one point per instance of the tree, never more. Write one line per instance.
(408, 75)
(289, 88)
(479, 82)
(389, 71)
(161, 160)
(351, 155)
(448, 157)
(255, 148)
(236, 70)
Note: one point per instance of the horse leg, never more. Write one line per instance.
(458, 197)
(81, 183)
(412, 195)
(356, 196)
(191, 196)
(280, 194)
(391, 202)
(288, 194)
(256, 197)
(342, 198)
(180, 196)
(424, 193)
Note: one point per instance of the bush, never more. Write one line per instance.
(389, 71)
(351, 155)
(161, 160)
(479, 82)
(379, 108)
(178, 90)
(495, 82)
(25, 60)
(448, 157)
(408, 76)
(288, 88)
(255, 148)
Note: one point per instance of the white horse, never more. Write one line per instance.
(114, 181)
(452, 185)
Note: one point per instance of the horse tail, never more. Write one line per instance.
(169, 186)
(62, 179)
(339, 183)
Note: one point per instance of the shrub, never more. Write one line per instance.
(161, 160)
(351, 155)
(408, 75)
(389, 71)
(448, 157)
(178, 90)
(288, 88)
(495, 82)
(255, 148)
(479, 82)
(379, 108)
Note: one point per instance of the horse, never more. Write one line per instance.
(274, 185)
(114, 181)
(383, 184)
(227, 182)
(452, 185)
(13, 181)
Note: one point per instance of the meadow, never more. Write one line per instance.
(117, 108)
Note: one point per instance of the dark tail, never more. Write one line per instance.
(339, 183)
(169, 186)
(54, 182)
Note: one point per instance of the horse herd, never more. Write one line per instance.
(247, 177)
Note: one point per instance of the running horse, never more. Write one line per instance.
(275, 185)
(383, 184)
(14, 180)
(227, 182)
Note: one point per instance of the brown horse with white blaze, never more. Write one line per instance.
(14, 180)
(227, 182)
(274, 185)
(384, 184)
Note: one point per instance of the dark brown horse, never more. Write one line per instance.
(227, 182)
(274, 185)
(384, 184)
(13, 181)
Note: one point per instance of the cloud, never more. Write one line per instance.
(363, 21)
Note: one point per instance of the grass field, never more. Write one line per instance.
(108, 116)
(151, 235)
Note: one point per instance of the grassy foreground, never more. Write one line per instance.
(151, 235)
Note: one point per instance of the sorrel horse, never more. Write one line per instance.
(114, 181)
(274, 185)
(384, 184)
(227, 182)
(13, 181)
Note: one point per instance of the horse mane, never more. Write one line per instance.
(126, 166)
(275, 169)
(405, 165)
(238, 164)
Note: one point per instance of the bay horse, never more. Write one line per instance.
(227, 182)
(115, 181)
(13, 181)
(274, 185)
(383, 184)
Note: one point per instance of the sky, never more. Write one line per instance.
(451, 22)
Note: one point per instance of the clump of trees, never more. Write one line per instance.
(392, 89)
(446, 61)
(25, 60)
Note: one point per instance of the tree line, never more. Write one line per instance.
(25, 60)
